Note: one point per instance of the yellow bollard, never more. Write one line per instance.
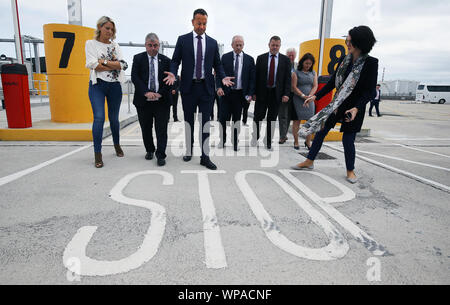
(40, 83)
(68, 77)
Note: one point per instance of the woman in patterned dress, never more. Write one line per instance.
(304, 85)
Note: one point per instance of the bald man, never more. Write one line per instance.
(241, 66)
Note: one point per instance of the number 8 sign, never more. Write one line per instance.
(334, 49)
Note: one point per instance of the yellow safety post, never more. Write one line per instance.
(68, 77)
(40, 83)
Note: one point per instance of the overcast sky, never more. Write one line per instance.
(413, 35)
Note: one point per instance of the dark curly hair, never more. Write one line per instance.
(305, 58)
(362, 38)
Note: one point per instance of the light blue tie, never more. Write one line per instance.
(236, 71)
(152, 76)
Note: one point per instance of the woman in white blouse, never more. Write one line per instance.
(105, 60)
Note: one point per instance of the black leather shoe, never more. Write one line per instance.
(208, 164)
(187, 158)
(161, 162)
(149, 156)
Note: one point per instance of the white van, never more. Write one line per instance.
(433, 93)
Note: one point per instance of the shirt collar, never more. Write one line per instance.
(195, 35)
(276, 56)
(240, 54)
(150, 58)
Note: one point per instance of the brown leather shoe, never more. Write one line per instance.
(282, 141)
(98, 160)
(119, 151)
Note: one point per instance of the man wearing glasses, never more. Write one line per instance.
(152, 97)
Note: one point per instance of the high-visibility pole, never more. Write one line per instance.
(325, 28)
(17, 35)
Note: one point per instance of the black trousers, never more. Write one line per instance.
(157, 113)
(245, 112)
(199, 98)
(175, 106)
(231, 109)
(375, 104)
(217, 100)
(348, 140)
(269, 106)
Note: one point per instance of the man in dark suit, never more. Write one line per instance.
(376, 101)
(273, 87)
(200, 55)
(242, 67)
(174, 95)
(152, 97)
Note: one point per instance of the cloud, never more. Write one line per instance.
(410, 32)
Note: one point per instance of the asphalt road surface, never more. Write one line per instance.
(253, 221)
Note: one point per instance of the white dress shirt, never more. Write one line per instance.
(378, 95)
(155, 64)
(195, 41)
(276, 68)
(238, 78)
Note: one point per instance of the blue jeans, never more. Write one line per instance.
(112, 91)
(348, 140)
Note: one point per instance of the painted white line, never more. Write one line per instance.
(76, 249)
(418, 139)
(425, 151)
(393, 158)
(403, 160)
(399, 171)
(338, 246)
(214, 252)
(325, 204)
(18, 175)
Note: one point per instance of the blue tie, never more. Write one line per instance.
(152, 76)
(236, 71)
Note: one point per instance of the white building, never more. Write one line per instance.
(403, 88)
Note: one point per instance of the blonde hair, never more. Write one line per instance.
(101, 22)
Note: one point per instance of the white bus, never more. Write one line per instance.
(433, 93)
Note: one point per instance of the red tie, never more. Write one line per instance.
(271, 72)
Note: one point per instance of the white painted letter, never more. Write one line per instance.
(214, 252)
(90, 267)
(338, 246)
(325, 204)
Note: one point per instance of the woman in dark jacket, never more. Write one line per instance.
(354, 80)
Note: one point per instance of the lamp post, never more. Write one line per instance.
(325, 28)
(75, 14)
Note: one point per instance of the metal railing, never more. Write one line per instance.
(130, 90)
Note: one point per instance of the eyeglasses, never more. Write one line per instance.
(348, 41)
